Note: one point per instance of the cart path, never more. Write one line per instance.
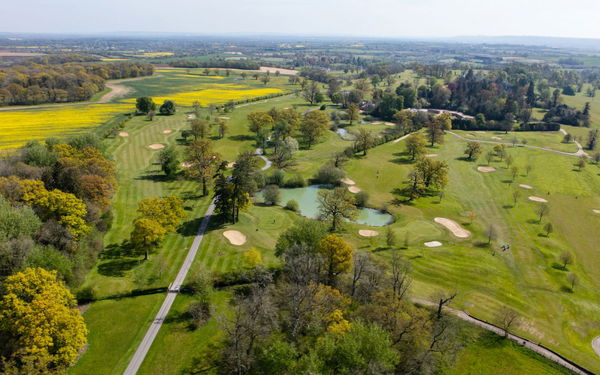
(144, 347)
(536, 347)
(580, 152)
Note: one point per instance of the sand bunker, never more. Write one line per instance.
(353, 189)
(348, 181)
(537, 199)
(596, 345)
(387, 123)
(497, 138)
(230, 165)
(526, 186)
(123, 134)
(433, 244)
(486, 169)
(225, 118)
(470, 135)
(167, 131)
(368, 233)
(431, 155)
(186, 164)
(480, 132)
(156, 146)
(596, 211)
(235, 237)
(191, 117)
(453, 227)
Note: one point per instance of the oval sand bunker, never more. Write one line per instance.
(235, 237)
(354, 189)
(123, 134)
(596, 211)
(526, 186)
(348, 181)
(537, 199)
(486, 169)
(433, 244)
(167, 131)
(156, 146)
(453, 227)
(368, 233)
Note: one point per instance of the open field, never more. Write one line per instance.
(20, 126)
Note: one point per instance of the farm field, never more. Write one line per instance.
(20, 126)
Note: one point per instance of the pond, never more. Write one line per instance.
(307, 198)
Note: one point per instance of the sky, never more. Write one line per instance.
(373, 18)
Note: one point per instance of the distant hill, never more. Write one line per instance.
(555, 42)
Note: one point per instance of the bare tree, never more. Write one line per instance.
(400, 279)
(566, 258)
(506, 319)
(573, 280)
(442, 299)
(542, 210)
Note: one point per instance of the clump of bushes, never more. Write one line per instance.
(271, 194)
(277, 177)
(292, 205)
(295, 182)
(362, 198)
(329, 175)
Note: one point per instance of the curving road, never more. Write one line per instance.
(536, 347)
(259, 153)
(580, 152)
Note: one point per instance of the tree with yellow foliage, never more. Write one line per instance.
(168, 211)
(68, 210)
(337, 254)
(39, 324)
(253, 257)
(146, 234)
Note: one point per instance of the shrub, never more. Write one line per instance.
(271, 194)
(277, 177)
(329, 175)
(260, 180)
(295, 181)
(292, 205)
(86, 294)
(362, 198)
(199, 312)
(167, 108)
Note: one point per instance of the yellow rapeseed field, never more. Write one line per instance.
(213, 95)
(155, 54)
(20, 126)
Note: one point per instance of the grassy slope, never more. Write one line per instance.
(525, 277)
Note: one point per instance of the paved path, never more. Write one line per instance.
(578, 153)
(536, 347)
(117, 90)
(259, 153)
(142, 350)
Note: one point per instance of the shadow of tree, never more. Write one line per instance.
(117, 268)
(242, 137)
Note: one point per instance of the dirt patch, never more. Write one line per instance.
(431, 155)
(433, 244)
(235, 237)
(156, 146)
(354, 189)
(529, 187)
(123, 134)
(537, 199)
(496, 138)
(368, 233)
(453, 227)
(186, 164)
(486, 169)
(167, 131)
(348, 181)
(271, 69)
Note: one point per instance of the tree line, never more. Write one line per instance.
(35, 83)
